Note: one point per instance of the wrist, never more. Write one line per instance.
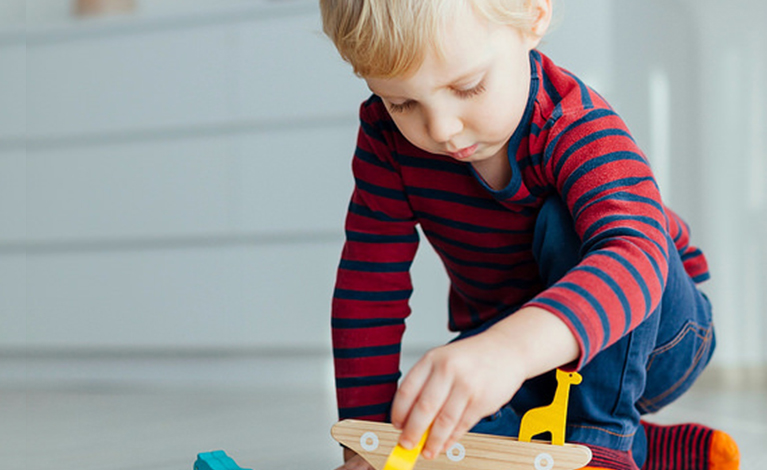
(535, 340)
(510, 351)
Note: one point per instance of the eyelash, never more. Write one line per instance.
(463, 94)
(471, 91)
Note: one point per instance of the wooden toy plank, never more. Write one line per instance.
(481, 451)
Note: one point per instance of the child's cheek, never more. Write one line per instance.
(415, 131)
(492, 120)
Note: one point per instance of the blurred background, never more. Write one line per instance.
(174, 177)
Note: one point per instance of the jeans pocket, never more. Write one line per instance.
(675, 365)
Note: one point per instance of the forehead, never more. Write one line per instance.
(465, 48)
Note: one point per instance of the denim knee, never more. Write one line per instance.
(685, 342)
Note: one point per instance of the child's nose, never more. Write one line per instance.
(442, 127)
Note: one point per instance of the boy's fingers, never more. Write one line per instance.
(408, 392)
(424, 410)
(464, 425)
(446, 422)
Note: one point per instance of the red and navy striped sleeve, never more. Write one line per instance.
(694, 261)
(594, 164)
(584, 152)
(373, 285)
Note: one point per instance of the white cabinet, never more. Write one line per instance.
(173, 182)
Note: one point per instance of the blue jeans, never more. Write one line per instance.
(644, 371)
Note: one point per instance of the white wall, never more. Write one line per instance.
(35, 12)
(732, 58)
(176, 182)
(179, 179)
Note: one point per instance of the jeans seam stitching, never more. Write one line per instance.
(649, 404)
(690, 326)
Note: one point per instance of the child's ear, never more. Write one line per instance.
(542, 10)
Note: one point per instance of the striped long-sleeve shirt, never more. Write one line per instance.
(569, 143)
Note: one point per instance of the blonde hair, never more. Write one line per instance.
(388, 38)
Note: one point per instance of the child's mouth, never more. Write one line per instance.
(464, 153)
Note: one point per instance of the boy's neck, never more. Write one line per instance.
(495, 171)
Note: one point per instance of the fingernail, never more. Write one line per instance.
(428, 454)
(407, 444)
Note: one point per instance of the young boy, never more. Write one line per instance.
(547, 218)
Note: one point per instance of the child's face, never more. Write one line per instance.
(467, 104)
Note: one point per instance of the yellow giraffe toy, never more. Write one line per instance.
(551, 417)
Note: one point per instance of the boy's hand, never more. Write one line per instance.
(454, 386)
(352, 461)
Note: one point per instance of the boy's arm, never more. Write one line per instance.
(593, 163)
(373, 286)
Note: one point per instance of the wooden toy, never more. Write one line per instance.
(377, 443)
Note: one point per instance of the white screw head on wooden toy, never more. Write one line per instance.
(544, 461)
(456, 453)
(369, 441)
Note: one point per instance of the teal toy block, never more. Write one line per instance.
(216, 460)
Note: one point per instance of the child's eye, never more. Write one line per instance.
(399, 108)
(463, 94)
(471, 91)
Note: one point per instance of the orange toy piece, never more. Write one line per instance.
(553, 417)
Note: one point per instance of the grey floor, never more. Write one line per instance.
(140, 425)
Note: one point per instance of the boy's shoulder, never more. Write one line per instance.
(376, 122)
(570, 114)
(562, 91)
(373, 110)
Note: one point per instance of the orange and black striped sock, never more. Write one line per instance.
(608, 459)
(689, 447)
